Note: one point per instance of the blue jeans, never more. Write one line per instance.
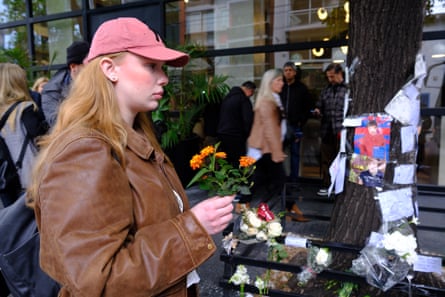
(295, 154)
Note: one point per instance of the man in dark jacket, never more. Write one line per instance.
(330, 108)
(57, 88)
(235, 121)
(297, 104)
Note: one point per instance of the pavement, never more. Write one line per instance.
(431, 236)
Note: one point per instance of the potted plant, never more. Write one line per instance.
(189, 91)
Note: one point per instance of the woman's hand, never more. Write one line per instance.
(214, 213)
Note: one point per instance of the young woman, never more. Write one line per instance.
(22, 125)
(113, 217)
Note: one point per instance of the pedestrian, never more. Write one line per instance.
(265, 142)
(22, 125)
(39, 83)
(297, 105)
(235, 121)
(330, 109)
(113, 216)
(57, 88)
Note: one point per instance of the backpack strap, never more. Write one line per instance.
(3, 120)
(7, 113)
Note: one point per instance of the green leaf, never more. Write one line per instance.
(198, 176)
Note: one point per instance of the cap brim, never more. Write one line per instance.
(169, 56)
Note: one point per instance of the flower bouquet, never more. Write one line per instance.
(252, 226)
(388, 257)
(219, 177)
(318, 259)
(260, 223)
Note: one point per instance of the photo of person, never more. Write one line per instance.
(372, 137)
(367, 171)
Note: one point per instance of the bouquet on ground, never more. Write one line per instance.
(260, 223)
(389, 255)
(318, 259)
(219, 177)
(253, 225)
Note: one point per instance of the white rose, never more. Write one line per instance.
(261, 236)
(243, 227)
(411, 258)
(401, 244)
(274, 229)
(251, 231)
(253, 220)
(322, 257)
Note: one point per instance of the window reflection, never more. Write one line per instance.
(12, 11)
(46, 7)
(104, 3)
(14, 40)
(52, 38)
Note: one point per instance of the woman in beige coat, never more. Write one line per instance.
(265, 142)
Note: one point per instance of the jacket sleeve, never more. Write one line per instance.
(89, 241)
(50, 105)
(247, 116)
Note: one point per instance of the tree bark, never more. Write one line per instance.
(385, 36)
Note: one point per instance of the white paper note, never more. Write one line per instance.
(428, 264)
(408, 138)
(404, 174)
(396, 204)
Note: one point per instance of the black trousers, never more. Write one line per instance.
(234, 146)
(330, 146)
(269, 179)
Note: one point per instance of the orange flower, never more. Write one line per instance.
(246, 161)
(221, 155)
(207, 151)
(196, 162)
(218, 176)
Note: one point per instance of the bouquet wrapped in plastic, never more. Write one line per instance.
(388, 256)
(318, 259)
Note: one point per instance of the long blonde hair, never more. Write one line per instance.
(265, 91)
(13, 88)
(92, 103)
(38, 82)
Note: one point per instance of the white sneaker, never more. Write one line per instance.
(322, 192)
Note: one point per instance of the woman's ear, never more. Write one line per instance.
(109, 68)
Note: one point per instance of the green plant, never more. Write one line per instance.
(189, 91)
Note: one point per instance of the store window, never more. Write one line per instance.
(52, 38)
(14, 39)
(104, 3)
(47, 7)
(435, 19)
(12, 11)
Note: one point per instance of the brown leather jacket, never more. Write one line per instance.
(266, 131)
(109, 231)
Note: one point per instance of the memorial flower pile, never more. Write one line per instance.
(389, 255)
(318, 259)
(217, 176)
(260, 222)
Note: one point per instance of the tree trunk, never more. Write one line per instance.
(385, 36)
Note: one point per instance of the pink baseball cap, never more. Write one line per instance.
(132, 35)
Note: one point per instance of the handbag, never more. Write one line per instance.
(19, 253)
